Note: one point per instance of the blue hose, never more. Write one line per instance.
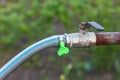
(15, 62)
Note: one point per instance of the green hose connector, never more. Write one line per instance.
(63, 50)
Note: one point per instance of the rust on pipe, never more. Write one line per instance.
(108, 38)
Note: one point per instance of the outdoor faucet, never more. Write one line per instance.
(83, 38)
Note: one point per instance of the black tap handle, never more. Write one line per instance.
(95, 25)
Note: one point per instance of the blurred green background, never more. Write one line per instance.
(23, 22)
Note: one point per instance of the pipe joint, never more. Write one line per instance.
(81, 40)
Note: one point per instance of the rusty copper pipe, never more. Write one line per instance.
(108, 38)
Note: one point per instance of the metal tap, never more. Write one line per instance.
(84, 38)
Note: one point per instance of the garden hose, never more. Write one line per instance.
(21, 57)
